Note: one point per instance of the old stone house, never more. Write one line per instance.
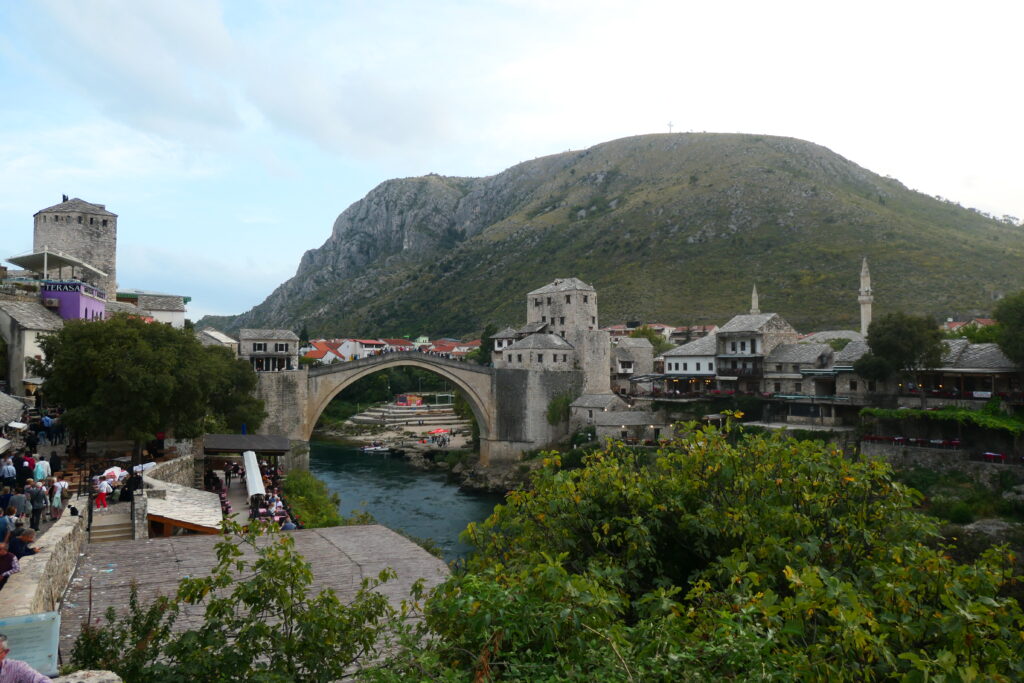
(269, 350)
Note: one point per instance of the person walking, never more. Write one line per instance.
(8, 473)
(42, 470)
(40, 501)
(102, 489)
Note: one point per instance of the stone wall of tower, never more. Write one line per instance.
(572, 315)
(89, 237)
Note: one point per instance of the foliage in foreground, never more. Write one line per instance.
(764, 559)
(314, 505)
(260, 622)
(721, 557)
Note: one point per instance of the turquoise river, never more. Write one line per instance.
(420, 504)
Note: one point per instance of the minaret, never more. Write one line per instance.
(754, 310)
(865, 297)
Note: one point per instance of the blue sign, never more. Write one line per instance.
(33, 639)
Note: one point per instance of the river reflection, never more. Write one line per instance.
(421, 504)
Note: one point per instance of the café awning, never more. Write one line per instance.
(44, 261)
(253, 477)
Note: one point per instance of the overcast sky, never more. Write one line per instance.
(228, 136)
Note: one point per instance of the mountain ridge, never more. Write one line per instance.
(673, 227)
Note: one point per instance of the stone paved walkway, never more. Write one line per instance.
(341, 558)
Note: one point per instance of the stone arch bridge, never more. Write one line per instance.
(510, 405)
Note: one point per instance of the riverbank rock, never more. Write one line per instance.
(90, 677)
(499, 478)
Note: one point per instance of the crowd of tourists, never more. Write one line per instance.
(269, 506)
(30, 495)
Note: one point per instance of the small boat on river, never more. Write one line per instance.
(375, 447)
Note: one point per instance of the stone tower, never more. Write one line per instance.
(569, 307)
(83, 230)
(754, 307)
(865, 297)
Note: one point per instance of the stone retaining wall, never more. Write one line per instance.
(180, 471)
(946, 460)
(39, 585)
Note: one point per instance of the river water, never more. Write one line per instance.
(421, 504)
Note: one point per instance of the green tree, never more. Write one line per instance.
(901, 343)
(482, 354)
(128, 378)
(1009, 313)
(724, 557)
(261, 622)
(657, 341)
(304, 335)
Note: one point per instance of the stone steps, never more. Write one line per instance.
(110, 526)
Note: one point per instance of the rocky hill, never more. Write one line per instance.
(673, 228)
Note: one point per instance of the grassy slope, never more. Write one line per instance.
(677, 229)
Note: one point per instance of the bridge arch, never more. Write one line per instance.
(473, 380)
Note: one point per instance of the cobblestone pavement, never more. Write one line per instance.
(341, 557)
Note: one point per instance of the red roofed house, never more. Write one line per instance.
(354, 349)
(323, 352)
(398, 345)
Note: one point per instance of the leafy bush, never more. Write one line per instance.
(313, 505)
(768, 558)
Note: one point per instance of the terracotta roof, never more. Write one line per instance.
(370, 342)
(398, 342)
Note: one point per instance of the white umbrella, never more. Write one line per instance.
(114, 473)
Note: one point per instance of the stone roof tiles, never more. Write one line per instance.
(77, 205)
(217, 336)
(10, 408)
(563, 285)
(32, 315)
(798, 353)
(257, 334)
(705, 346)
(598, 401)
(112, 307)
(507, 333)
(827, 335)
(531, 328)
(963, 355)
(155, 302)
(635, 342)
(747, 322)
(851, 353)
(541, 341)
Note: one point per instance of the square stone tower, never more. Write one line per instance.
(569, 307)
(83, 230)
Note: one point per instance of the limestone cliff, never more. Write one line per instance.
(674, 228)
